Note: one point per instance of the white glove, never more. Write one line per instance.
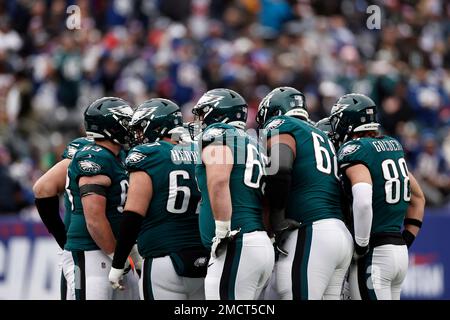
(115, 277)
(223, 236)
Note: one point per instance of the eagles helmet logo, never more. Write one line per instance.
(338, 107)
(210, 99)
(349, 149)
(122, 111)
(135, 157)
(274, 124)
(89, 166)
(142, 114)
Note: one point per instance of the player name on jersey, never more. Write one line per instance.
(387, 145)
(184, 155)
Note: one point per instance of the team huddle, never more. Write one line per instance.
(159, 209)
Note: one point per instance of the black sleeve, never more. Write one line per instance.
(48, 209)
(278, 185)
(128, 233)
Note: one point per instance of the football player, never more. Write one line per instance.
(161, 208)
(49, 186)
(46, 192)
(229, 179)
(97, 183)
(383, 192)
(305, 210)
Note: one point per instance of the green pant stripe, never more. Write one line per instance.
(63, 287)
(147, 281)
(234, 269)
(80, 275)
(365, 281)
(305, 261)
(299, 275)
(227, 284)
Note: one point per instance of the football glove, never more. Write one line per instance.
(219, 242)
(281, 231)
(115, 278)
(359, 252)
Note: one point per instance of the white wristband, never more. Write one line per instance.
(222, 228)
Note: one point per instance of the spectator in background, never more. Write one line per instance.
(11, 195)
(180, 49)
(432, 172)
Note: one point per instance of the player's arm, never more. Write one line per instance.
(282, 153)
(140, 193)
(361, 182)
(218, 160)
(93, 190)
(415, 212)
(46, 191)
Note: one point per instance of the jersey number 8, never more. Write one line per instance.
(392, 177)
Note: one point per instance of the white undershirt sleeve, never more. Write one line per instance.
(362, 212)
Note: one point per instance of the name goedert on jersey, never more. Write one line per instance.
(389, 145)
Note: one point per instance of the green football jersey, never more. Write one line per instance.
(94, 160)
(68, 153)
(171, 222)
(245, 181)
(384, 158)
(314, 193)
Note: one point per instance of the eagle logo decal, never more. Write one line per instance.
(349, 149)
(142, 114)
(135, 157)
(274, 124)
(89, 166)
(122, 111)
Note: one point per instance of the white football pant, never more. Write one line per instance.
(379, 274)
(319, 255)
(242, 270)
(86, 274)
(160, 281)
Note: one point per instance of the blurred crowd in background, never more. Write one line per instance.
(179, 49)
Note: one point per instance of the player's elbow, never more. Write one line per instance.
(217, 184)
(44, 189)
(92, 225)
(362, 207)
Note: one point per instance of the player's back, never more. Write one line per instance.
(171, 222)
(315, 192)
(93, 160)
(245, 181)
(384, 158)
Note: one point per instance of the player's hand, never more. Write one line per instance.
(219, 243)
(115, 278)
(359, 252)
(282, 231)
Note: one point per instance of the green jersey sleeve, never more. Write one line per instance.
(354, 152)
(74, 146)
(149, 158)
(93, 163)
(278, 125)
(218, 134)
